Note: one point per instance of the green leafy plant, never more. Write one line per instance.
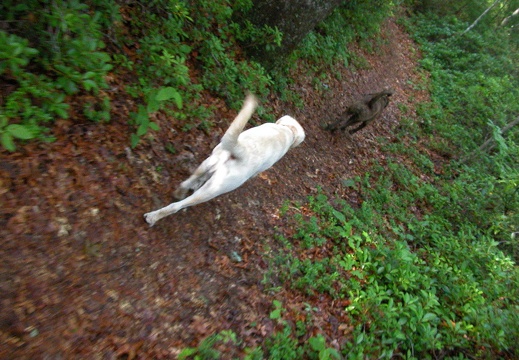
(416, 302)
(283, 345)
(155, 101)
(166, 43)
(318, 344)
(13, 131)
(60, 55)
(229, 78)
(278, 308)
(206, 349)
(357, 21)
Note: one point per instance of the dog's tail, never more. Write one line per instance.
(230, 138)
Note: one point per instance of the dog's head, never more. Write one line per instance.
(293, 125)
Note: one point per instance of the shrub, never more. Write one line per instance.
(53, 51)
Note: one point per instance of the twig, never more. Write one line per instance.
(479, 18)
(490, 142)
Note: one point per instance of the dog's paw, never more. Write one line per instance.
(150, 218)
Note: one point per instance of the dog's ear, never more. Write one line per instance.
(297, 129)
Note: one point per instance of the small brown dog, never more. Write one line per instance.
(363, 112)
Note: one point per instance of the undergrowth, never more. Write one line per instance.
(50, 51)
(428, 285)
(53, 57)
(426, 263)
(425, 267)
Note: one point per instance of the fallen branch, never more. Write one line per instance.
(479, 18)
(507, 19)
(490, 143)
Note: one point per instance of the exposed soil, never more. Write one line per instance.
(83, 276)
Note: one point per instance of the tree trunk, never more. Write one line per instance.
(294, 18)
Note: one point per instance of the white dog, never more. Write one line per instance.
(238, 157)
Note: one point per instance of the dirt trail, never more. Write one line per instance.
(82, 276)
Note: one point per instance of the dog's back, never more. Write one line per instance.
(262, 146)
(379, 102)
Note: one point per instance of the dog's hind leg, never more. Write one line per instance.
(212, 188)
(154, 216)
(197, 179)
(193, 183)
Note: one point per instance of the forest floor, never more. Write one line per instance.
(83, 276)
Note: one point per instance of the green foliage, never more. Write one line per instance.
(206, 350)
(427, 261)
(278, 308)
(474, 84)
(318, 344)
(421, 285)
(226, 73)
(155, 100)
(20, 117)
(470, 10)
(264, 37)
(280, 345)
(229, 78)
(352, 21)
(473, 78)
(164, 78)
(52, 50)
(170, 32)
(283, 344)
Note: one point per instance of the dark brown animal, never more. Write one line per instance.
(361, 112)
